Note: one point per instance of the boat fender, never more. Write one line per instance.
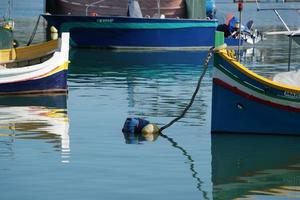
(53, 29)
(54, 33)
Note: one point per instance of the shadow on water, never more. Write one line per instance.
(254, 165)
(31, 118)
(157, 83)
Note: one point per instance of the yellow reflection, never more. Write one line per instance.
(37, 123)
(290, 192)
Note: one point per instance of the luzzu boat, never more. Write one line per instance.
(39, 68)
(245, 102)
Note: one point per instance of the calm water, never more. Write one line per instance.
(58, 147)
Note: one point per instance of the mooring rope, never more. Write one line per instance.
(34, 31)
(209, 55)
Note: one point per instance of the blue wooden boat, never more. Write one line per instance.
(245, 102)
(128, 32)
(39, 68)
(174, 24)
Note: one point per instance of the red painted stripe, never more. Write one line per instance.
(253, 98)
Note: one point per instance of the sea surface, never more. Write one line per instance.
(72, 147)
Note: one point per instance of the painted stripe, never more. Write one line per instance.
(145, 25)
(234, 63)
(250, 86)
(250, 89)
(56, 83)
(55, 70)
(252, 97)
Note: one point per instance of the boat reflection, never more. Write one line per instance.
(247, 166)
(42, 118)
(138, 139)
(157, 83)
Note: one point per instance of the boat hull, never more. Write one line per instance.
(35, 69)
(55, 83)
(124, 32)
(245, 103)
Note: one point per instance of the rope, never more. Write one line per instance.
(209, 55)
(34, 31)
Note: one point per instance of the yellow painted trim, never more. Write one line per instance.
(6, 55)
(62, 67)
(28, 52)
(259, 78)
(36, 51)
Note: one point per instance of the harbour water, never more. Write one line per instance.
(59, 147)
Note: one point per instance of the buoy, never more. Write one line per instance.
(150, 132)
(135, 126)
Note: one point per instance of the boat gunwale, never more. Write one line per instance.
(131, 18)
(252, 75)
(52, 46)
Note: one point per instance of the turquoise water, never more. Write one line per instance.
(60, 147)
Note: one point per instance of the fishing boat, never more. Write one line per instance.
(245, 102)
(38, 68)
(137, 33)
(161, 24)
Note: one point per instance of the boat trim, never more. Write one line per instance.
(259, 78)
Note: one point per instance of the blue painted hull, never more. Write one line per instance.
(124, 32)
(243, 102)
(239, 114)
(142, 38)
(56, 82)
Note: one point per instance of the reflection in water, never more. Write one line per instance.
(138, 138)
(6, 142)
(253, 165)
(35, 118)
(158, 83)
(191, 162)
